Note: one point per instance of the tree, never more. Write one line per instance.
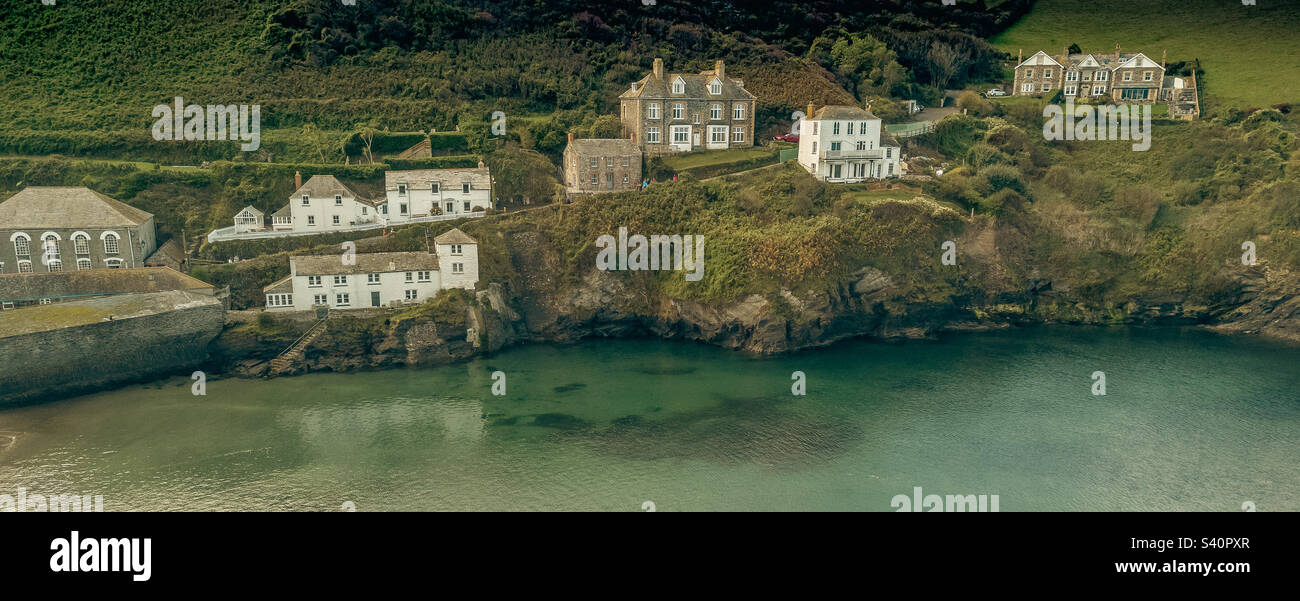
(865, 63)
(521, 176)
(945, 61)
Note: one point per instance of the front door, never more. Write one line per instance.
(374, 299)
(695, 140)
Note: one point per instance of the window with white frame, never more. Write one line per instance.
(311, 220)
(410, 276)
(595, 179)
(50, 247)
(1146, 75)
(652, 111)
(1102, 75)
(412, 295)
(835, 128)
(626, 161)
(1029, 72)
(54, 265)
(1072, 75)
(715, 112)
(738, 134)
(1098, 90)
(83, 264)
(679, 86)
(336, 220)
(22, 245)
(681, 134)
(458, 268)
(342, 300)
(1047, 87)
(1047, 73)
(279, 300)
(401, 191)
(718, 134)
(340, 280)
(738, 112)
(1069, 90)
(464, 188)
(715, 87)
(652, 135)
(110, 243)
(679, 110)
(435, 187)
(24, 267)
(81, 244)
(595, 163)
(835, 146)
(320, 299)
(338, 200)
(313, 281)
(372, 278)
(423, 276)
(456, 249)
(849, 128)
(306, 200)
(113, 263)
(609, 162)
(861, 145)
(1128, 76)
(1027, 87)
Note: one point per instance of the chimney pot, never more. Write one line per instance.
(570, 137)
(659, 68)
(297, 180)
(480, 164)
(719, 69)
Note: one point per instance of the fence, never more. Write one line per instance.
(228, 233)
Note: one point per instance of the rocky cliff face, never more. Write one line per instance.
(604, 304)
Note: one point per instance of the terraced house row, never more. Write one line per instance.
(1114, 77)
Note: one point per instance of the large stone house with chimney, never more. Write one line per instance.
(56, 228)
(592, 166)
(676, 112)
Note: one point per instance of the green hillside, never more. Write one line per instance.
(1248, 52)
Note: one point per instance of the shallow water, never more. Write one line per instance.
(1191, 421)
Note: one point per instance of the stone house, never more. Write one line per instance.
(594, 165)
(52, 229)
(1110, 77)
(845, 144)
(376, 279)
(675, 112)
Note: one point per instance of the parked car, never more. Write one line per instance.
(787, 138)
(995, 93)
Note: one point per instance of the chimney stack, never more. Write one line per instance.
(659, 68)
(633, 138)
(1164, 54)
(1065, 56)
(719, 69)
(1116, 54)
(570, 137)
(297, 180)
(1022, 57)
(480, 164)
(809, 114)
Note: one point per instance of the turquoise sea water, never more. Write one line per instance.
(1191, 421)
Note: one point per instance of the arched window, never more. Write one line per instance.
(110, 242)
(22, 244)
(49, 247)
(81, 243)
(83, 264)
(24, 267)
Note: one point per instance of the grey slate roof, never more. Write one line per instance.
(604, 147)
(842, 112)
(454, 236)
(19, 287)
(697, 86)
(323, 186)
(479, 178)
(38, 207)
(365, 263)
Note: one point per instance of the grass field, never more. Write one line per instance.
(1249, 53)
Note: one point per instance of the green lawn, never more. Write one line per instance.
(708, 158)
(1249, 53)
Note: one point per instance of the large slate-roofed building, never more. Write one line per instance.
(50, 229)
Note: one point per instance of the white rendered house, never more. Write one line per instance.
(369, 280)
(419, 193)
(323, 203)
(842, 144)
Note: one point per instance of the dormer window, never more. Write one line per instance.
(715, 87)
(464, 188)
(679, 86)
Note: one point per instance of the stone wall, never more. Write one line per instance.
(48, 364)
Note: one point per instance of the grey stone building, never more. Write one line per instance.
(675, 112)
(51, 229)
(601, 165)
(1099, 77)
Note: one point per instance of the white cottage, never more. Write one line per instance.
(424, 192)
(843, 144)
(324, 204)
(376, 279)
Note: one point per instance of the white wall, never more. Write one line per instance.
(350, 212)
(422, 201)
(468, 258)
(815, 163)
(392, 286)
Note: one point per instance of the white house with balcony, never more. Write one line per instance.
(843, 144)
(413, 194)
(366, 280)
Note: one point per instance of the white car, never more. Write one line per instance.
(995, 93)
